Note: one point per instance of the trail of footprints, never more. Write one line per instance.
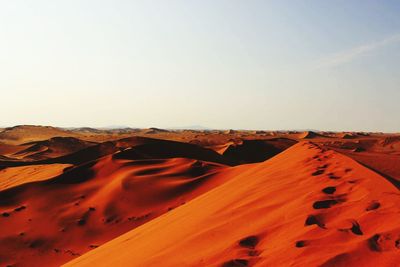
(249, 244)
(332, 199)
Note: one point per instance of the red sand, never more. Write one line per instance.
(214, 198)
(55, 220)
(273, 214)
(14, 176)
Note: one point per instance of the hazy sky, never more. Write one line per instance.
(329, 65)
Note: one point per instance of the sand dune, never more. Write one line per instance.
(15, 176)
(51, 148)
(348, 135)
(330, 217)
(154, 148)
(310, 135)
(380, 154)
(134, 197)
(392, 141)
(8, 150)
(28, 133)
(155, 131)
(88, 205)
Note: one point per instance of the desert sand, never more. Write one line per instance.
(155, 197)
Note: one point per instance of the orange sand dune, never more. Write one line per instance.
(310, 135)
(56, 220)
(28, 133)
(380, 154)
(179, 198)
(14, 176)
(387, 165)
(8, 150)
(51, 148)
(141, 148)
(305, 207)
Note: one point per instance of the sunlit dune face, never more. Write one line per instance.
(15, 176)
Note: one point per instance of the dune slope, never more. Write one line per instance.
(55, 220)
(305, 207)
(15, 176)
(51, 148)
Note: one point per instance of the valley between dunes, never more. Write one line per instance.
(153, 197)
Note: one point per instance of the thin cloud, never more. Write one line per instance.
(356, 52)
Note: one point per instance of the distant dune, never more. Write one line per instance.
(53, 147)
(15, 176)
(310, 135)
(28, 133)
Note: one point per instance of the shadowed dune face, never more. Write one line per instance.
(250, 151)
(170, 149)
(148, 195)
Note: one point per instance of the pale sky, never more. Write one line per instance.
(328, 65)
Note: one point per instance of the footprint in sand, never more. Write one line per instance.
(384, 242)
(301, 243)
(314, 219)
(325, 204)
(249, 242)
(355, 228)
(333, 176)
(318, 172)
(373, 206)
(236, 263)
(329, 190)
